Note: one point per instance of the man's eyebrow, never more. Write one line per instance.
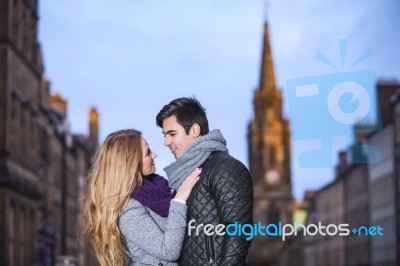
(169, 131)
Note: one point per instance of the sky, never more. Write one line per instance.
(129, 58)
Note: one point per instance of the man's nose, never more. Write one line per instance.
(154, 155)
(167, 141)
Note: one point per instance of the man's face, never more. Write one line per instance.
(176, 138)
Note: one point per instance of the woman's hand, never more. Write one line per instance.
(187, 185)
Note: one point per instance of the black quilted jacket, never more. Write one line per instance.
(223, 195)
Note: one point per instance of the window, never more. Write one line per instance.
(43, 144)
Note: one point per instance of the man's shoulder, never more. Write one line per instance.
(220, 160)
(222, 156)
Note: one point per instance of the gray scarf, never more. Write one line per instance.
(194, 156)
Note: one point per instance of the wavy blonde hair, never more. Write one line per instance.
(115, 172)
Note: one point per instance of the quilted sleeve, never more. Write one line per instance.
(232, 189)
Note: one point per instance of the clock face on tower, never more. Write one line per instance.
(272, 177)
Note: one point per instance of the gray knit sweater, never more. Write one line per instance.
(150, 238)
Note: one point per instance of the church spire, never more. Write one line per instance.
(267, 78)
(270, 165)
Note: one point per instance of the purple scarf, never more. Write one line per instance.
(154, 194)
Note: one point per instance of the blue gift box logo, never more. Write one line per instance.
(324, 108)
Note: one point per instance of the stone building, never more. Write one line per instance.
(365, 192)
(357, 214)
(309, 248)
(330, 209)
(344, 200)
(269, 157)
(356, 192)
(395, 103)
(293, 252)
(383, 179)
(43, 166)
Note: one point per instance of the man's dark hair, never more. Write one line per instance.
(187, 111)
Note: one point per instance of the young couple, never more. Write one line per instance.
(133, 216)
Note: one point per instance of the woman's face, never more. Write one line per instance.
(148, 159)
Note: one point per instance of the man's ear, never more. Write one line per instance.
(195, 130)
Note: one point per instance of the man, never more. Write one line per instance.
(224, 193)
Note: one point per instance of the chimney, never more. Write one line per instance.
(94, 126)
(386, 88)
(59, 104)
(342, 164)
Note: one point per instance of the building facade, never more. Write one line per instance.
(43, 167)
(395, 102)
(365, 192)
(357, 214)
(382, 197)
(383, 178)
(329, 203)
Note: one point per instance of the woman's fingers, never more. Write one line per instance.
(194, 174)
(192, 181)
(187, 185)
(192, 177)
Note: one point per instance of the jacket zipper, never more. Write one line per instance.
(209, 249)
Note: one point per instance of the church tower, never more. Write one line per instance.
(269, 157)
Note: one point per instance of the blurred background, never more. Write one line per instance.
(73, 72)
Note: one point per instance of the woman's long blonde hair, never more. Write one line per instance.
(115, 172)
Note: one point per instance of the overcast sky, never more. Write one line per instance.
(129, 58)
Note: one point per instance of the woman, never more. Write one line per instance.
(130, 216)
